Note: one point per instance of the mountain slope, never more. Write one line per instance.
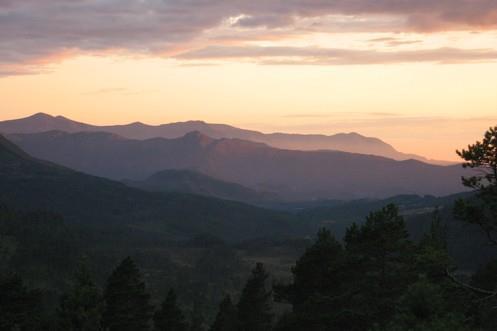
(347, 142)
(28, 183)
(291, 174)
(188, 181)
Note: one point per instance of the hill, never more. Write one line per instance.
(347, 142)
(28, 183)
(293, 175)
(188, 181)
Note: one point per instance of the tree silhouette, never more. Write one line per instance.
(81, 308)
(254, 307)
(170, 317)
(482, 209)
(318, 276)
(127, 305)
(378, 250)
(226, 318)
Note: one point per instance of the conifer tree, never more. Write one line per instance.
(379, 254)
(482, 208)
(127, 304)
(81, 308)
(316, 272)
(318, 278)
(170, 317)
(254, 307)
(226, 318)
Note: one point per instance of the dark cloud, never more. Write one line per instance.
(31, 30)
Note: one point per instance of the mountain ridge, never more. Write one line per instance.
(348, 142)
(291, 174)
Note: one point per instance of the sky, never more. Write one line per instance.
(421, 75)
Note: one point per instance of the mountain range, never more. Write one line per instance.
(293, 175)
(347, 142)
(31, 184)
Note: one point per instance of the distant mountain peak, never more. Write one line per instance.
(138, 123)
(41, 116)
(198, 137)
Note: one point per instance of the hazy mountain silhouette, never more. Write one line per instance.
(187, 181)
(347, 142)
(291, 174)
(31, 184)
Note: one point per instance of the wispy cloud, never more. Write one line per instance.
(394, 42)
(332, 56)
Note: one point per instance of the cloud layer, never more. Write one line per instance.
(34, 32)
(329, 56)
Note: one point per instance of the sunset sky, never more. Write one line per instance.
(420, 74)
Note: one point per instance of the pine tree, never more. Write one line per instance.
(379, 254)
(81, 309)
(254, 307)
(482, 208)
(127, 304)
(316, 272)
(318, 277)
(170, 317)
(226, 318)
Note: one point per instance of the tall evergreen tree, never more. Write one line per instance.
(481, 209)
(254, 307)
(431, 256)
(127, 304)
(317, 292)
(226, 318)
(379, 255)
(81, 308)
(170, 317)
(316, 271)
